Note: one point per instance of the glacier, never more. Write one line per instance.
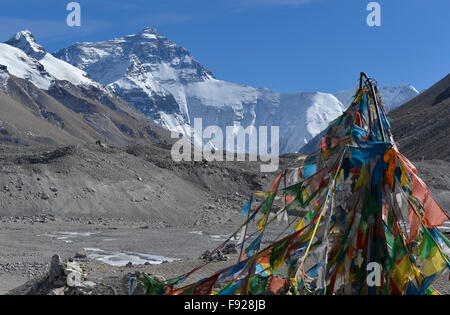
(164, 81)
(19, 64)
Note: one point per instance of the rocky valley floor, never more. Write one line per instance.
(106, 207)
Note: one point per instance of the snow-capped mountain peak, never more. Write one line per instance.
(146, 31)
(25, 41)
(392, 96)
(38, 58)
(165, 82)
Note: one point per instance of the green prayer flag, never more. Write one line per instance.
(278, 251)
(426, 245)
(153, 287)
(258, 284)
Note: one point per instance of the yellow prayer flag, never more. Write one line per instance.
(403, 273)
(262, 193)
(300, 224)
(434, 263)
(363, 179)
(262, 222)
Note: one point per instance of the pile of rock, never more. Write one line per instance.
(219, 255)
(67, 278)
(62, 278)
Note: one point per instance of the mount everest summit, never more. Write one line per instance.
(165, 83)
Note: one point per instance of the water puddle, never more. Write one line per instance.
(219, 238)
(117, 258)
(214, 238)
(68, 237)
(196, 232)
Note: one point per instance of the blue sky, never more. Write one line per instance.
(286, 45)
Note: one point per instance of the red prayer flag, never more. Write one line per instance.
(205, 287)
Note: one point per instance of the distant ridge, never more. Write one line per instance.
(422, 125)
